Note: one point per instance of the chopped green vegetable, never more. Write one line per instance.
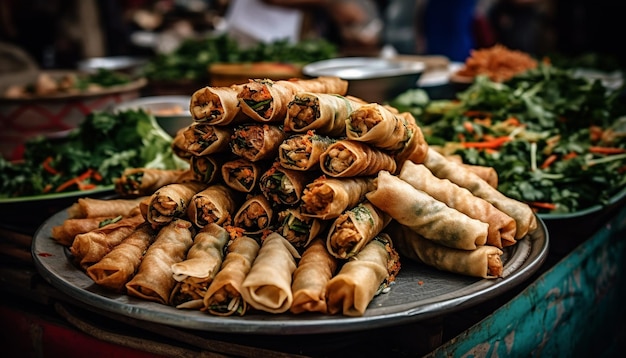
(95, 153)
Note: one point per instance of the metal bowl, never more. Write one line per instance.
(370, 78)
(171, 112)
(127, 64)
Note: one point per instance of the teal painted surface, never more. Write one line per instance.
(572, 310)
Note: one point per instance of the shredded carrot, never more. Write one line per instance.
(570, 155)
(47, 167)
(512, 121)
(542, 205)
(468, 127)
(595, 133)
(490, 144)
(549, 160)
(78, 181)
(475, 113)
(606, 150)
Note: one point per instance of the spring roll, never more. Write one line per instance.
(501, 231)
(302, 151)
(204, 169)
(154, 280)
(522, 213)
(298, 229)
(347, 158)
(416, 147)
(223, 297)
(216, 105)
(255, 215)
(65, 233)
(488, 174)
(327, 198)
(267, 287)
(426, 215)
(265, 100)
(257, 141)
(323, 112)
(171, 201)
(204, 139)
(90, 247)
(242, 174)
(179, 145)
(363, 277)
(353, 229)
(117, 267)
(213, 205)
(382, 128)
(283, 186)
(91, 207)
(144, 181)
(315, 268)
(484, 262)
(196, 272)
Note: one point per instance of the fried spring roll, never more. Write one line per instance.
(257, 141)
(267, 287)
(91, 207)
(488, 174)
(65, 233)
(223, 297)
(502, 227)
(363, 277)
(179, 145)
(347, 158)
(353, 229)
(323, 112)
(196, 272)
(426, 215)
(117, 267)
(241, 174)
(416, 147)
(90, 247)
(298, 229)
(315, 268)
(283, 186)
(326, 198)
(265, 100)
(215, 204)
(204, 139)
(154, 280)
(374, 124)
(485, 261)
(171, 201)
(144, 181)
(302, 151)
(216, 105)
(254, 215)
(204, 168)
(444, 168)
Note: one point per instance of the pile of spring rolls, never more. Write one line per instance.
(298, 198)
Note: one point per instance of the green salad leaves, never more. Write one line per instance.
(92, 155)
(557, 141)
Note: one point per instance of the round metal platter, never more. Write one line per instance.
(420, 292)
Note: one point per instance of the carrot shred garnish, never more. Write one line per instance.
(606, 150)
(489, 144)
(543, 205)
(47, 167)
(549, 160)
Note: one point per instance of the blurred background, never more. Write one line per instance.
(61, 33)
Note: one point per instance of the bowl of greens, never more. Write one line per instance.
(54, 172)
(55, 102)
